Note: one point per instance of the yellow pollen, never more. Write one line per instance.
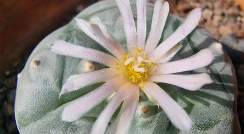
(136, 67)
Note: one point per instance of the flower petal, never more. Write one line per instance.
(77, 108)
(68, 49)
(129, 22)
(104, 118)
(181, 32)
(141, 22)
(170, 54)
(160, 15)
(175, 113)
(96, 33)
(97, 21)
(127, 112)
(76, 82)
(201, 59)
(190, 82)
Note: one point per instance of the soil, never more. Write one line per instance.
(220, 17)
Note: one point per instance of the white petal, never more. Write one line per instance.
(141, 22)
(102, 121)
(199, 60)
(175, 113)
(77, 108)
(97, 21)
(129, 23)
(160, 15)
(170, 54)
(127, 112)
(96, 33)
(190, 82)
(76, 82)
(68, 49)
(182, 31)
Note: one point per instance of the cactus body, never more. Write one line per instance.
(38, 107)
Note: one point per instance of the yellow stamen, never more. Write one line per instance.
(136, 67)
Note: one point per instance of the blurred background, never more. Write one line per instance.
(25, 23)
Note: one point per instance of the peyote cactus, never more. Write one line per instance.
(39, 105)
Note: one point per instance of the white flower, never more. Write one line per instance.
(139, 68)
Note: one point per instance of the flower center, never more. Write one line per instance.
(136, 66)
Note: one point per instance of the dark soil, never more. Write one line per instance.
(7, 97)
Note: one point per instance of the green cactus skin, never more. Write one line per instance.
(38, 107)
